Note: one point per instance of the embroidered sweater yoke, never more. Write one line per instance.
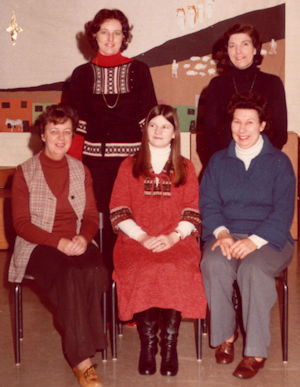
(111, 102)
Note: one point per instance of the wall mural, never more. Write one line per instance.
(193, 15)
(181, 68)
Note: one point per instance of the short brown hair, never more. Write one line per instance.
(249, 100)
(220, 49)
(93, 26)
(142, 164)
(58, 114)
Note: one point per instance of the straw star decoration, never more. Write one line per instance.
(14, 29)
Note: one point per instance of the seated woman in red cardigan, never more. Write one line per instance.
(154, 209)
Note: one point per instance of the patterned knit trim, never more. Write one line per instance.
(111, 80)
(157, 187)
(119, 214)
(193, 216)
(81, 128)
(111, 149)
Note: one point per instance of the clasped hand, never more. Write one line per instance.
(75, 246)
(234, 249)
(159, 243)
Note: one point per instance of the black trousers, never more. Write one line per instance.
(74, 286)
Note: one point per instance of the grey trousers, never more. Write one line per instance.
(255, 277)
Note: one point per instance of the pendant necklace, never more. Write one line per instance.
(114, 104)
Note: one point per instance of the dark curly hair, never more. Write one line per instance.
(250, 100)
(220, 49)
(93, 26)
(58, 114)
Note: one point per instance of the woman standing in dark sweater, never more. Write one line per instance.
(238, 56)
(112, 95)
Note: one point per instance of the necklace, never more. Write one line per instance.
(235, 85)
(114, 104)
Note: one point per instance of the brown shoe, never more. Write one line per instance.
(225, 352)
(248, 367)
(87, 377)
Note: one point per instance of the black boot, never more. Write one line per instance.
(147, 325)
(169, 360)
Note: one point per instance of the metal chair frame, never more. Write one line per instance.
(117, 324)
(282, 278)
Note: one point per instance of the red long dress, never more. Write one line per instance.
(169, 279)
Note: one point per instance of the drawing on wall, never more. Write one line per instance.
(193, 15)
(174, 69)
(14, 29)
(185, 63)
(180, 15)
(273, 47)
(14, 125)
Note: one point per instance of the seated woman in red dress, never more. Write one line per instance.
(154, 209)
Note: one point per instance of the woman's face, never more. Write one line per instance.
(246, 127)
(241, 50)
(57, 139)
(109, 37)
(160, 132)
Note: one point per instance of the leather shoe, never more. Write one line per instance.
(225, 352)
(248, 367)
(87, 377)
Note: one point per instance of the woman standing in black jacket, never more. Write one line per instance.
(112, 94)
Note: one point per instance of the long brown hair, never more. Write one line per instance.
(142, 160)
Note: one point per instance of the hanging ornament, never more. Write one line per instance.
(14, 29)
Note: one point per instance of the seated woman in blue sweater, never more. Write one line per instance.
(247, 202)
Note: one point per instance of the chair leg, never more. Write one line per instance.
(204, 323)
(104, 303)
(199, 339)
(120, 328)
(113, 321)
(18, 322)
(285, 319)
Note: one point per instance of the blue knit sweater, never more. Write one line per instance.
(258, 201)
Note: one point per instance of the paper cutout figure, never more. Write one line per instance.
(14, 125)
(200, 66)
(191, 16)
(200, 13)
(273, 47)
(195, 58)
(174, 69)
(209, 9)
(180, 15)
(14, 29)
(191, 73)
